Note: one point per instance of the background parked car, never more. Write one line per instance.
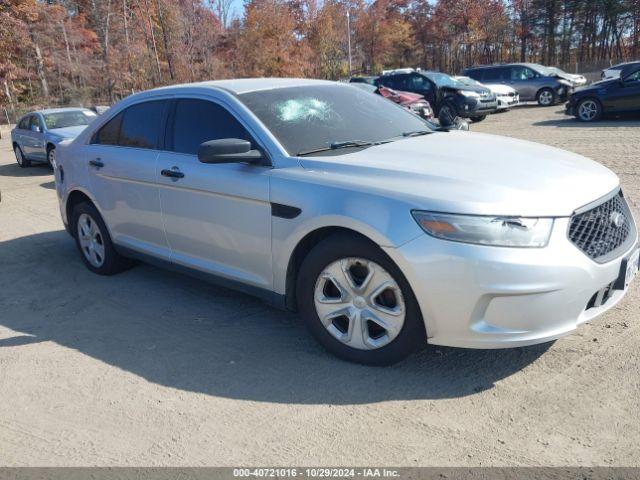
(507, 96)
(35, 137)
(617, 95)
(575, 79)
(531, 81)
(411, 101)
(371, 80)
(448, 97)
(614, 71)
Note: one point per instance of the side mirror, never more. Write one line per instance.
(228, 150)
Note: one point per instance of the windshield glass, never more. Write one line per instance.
(312, 117)
(443, 80)
(68, 119)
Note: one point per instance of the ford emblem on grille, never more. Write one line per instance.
(617, 219)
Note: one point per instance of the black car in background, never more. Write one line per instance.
(618, 95)
(369, 80)
(448, 97)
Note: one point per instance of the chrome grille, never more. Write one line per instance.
(602, 229)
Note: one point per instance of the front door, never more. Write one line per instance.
(217, 217)
(34, 139)
(121, 161)
(625, 95)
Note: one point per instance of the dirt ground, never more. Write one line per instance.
(154, 368)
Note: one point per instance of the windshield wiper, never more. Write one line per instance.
(416, 133)
(339, 145)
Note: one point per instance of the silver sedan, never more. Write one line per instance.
(381, 230)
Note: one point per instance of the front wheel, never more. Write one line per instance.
(357, 303)
(546, 97)
(588, 110)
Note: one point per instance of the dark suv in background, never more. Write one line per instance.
(531, 81)
(448, 97)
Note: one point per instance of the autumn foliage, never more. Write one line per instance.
(97, 51)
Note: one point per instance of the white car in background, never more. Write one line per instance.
(613, 72)
(507, 96)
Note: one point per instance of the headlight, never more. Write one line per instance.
(470, 93)
(486, 230)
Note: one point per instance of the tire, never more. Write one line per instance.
(373, 345)
(51, 157)
(477, 119)
(96, 249)
(546, 97)
(23, 162)
(447, 114)
(588, 110)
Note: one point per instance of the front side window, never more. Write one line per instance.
(137, 126)
(522, 73)
(35, 125)
(198, 121)
(68, 119)
(418, 83)
(634, 77)
(310, 117)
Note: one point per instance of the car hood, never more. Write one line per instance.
(68, 132)
(464, 172)
(500, 89)
(594, 87)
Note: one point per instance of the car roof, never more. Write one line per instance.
(60, 110)
(246, 85)
(620, 66)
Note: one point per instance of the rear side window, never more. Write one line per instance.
(475, 74)
(493, 74)
(138, 126)
(198, 121)
(109, 133)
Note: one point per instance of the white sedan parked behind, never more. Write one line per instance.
(381, 231)
(507, 96)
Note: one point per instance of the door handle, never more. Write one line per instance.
(96, 163)
(173, 173)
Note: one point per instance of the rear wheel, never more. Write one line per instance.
(94, 242)
(477, 119)
(51, 157)
(356, 302)
(546, 97)
(588, 110)
(23, 162)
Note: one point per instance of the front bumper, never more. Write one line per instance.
(507, 101)
(493, 297)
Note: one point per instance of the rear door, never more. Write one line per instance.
(121, 162)
(217, 217)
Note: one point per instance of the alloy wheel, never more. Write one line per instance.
(546, 97)
(588, 110)
(91, 240)
(359, 303)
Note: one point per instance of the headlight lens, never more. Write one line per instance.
(486, 230)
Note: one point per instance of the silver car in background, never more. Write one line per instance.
(37, 134)
(383, 233)
(533, 82)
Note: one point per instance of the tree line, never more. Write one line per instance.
(64, 52)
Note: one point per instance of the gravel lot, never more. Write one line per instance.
(154, 368)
